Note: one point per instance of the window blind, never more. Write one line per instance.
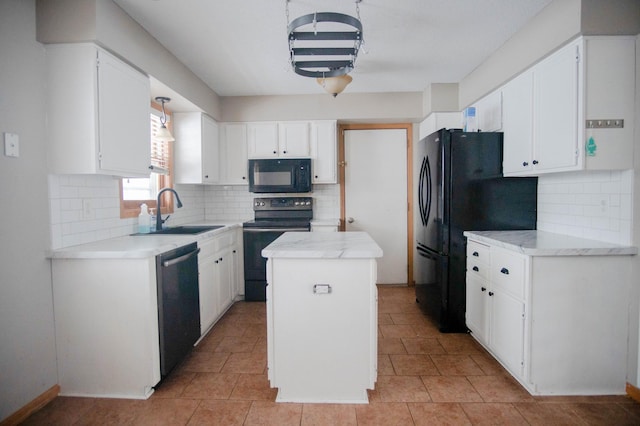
(159, 149)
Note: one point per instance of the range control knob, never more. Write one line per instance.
(308, 203)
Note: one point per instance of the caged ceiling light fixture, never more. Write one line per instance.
(163, 133)
(325, 45)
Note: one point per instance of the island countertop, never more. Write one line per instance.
(323, 245)
(541, 243)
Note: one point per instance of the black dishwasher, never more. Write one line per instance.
(178, 304)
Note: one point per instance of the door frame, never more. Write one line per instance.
(341, 180)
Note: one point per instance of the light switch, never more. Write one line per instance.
(11, 145)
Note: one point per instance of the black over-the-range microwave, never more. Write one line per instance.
(280, 175)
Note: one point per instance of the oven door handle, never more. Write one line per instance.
(275, 229)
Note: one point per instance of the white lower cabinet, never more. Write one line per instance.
(218, 279)
(558, 324)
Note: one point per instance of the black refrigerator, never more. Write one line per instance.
(461, 188)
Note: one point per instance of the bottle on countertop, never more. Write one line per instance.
(144, 220)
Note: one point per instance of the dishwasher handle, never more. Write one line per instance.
(276, 229)
(179, 259)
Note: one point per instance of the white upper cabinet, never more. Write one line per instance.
(98, 115)
(547, 109)
(196, 148)
(233, 154)
(278, 140)
(324, 152)
(489, 112)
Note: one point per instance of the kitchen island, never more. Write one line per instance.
(322, 316)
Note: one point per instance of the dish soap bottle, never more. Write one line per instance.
(144, 220)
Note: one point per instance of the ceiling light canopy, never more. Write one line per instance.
(325, 45)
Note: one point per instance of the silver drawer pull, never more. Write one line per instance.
(321, 289)
(504, 271)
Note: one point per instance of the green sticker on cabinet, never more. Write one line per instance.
(591, 147)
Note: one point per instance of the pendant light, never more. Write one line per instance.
(163, 133)
(317, 50)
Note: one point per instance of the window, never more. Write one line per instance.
(135, 191)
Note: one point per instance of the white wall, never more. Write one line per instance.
(27, 347)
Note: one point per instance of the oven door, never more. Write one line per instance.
(255, 266)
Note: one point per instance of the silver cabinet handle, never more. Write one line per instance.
(182, 258)
(350, 220)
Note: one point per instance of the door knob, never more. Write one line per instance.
(350, 220)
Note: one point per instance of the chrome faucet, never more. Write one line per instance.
(159, 220)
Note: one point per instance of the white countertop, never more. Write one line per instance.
(541, 243)
(137, 246)
(325, 222)
(323, 245)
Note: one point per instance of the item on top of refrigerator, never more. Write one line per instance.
(470, 122)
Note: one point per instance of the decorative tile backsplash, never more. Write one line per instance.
(596, 205)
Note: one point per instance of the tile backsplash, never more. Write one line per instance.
(596, 205)
(86, 208)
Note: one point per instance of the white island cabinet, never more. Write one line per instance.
(553, 309)
(322, 316)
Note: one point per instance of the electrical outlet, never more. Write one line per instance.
(87, 209)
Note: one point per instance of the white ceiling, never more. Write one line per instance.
(239, 47)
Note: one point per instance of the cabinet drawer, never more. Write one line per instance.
(477, 269)
(207, 249)
(478, 252)
(508, 272)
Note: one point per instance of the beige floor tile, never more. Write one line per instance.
(407, 318)
(423, 345)
(246, 363)
(217, 412)
(413, 365)
(493, 414)
(459, 344)
(395, 330)
(204, 362)
(456, 365)
(211, 386)
(426, 329)
(384, 319)
(255, 330)
(173, 385)
(329, 414)
(385, 368)
(237, 344)
(272, 413)
(384, 414)
(450, 389)
(488, 364)
(401, 389)
(605, 414)
(62, 411)
(499, 389)
(542, 414)
(253, 387)
(438, 414)
(391, 345)
(112, 411)
(169, 412)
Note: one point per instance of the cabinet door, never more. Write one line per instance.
(517, 124)
(209, 307)
(324, 152)
(489, 112)
(507, 330)
(210, 151)
(124, 123)
(556, 110)
(238, 265)
(293, 139)
(224, 265)
(477, 308)
(233, 153)
(262, 140)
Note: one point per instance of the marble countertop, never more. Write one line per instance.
(137, 246)
(541, 243)
(323, 245)
(325, 222)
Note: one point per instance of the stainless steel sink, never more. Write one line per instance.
(187, 229)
